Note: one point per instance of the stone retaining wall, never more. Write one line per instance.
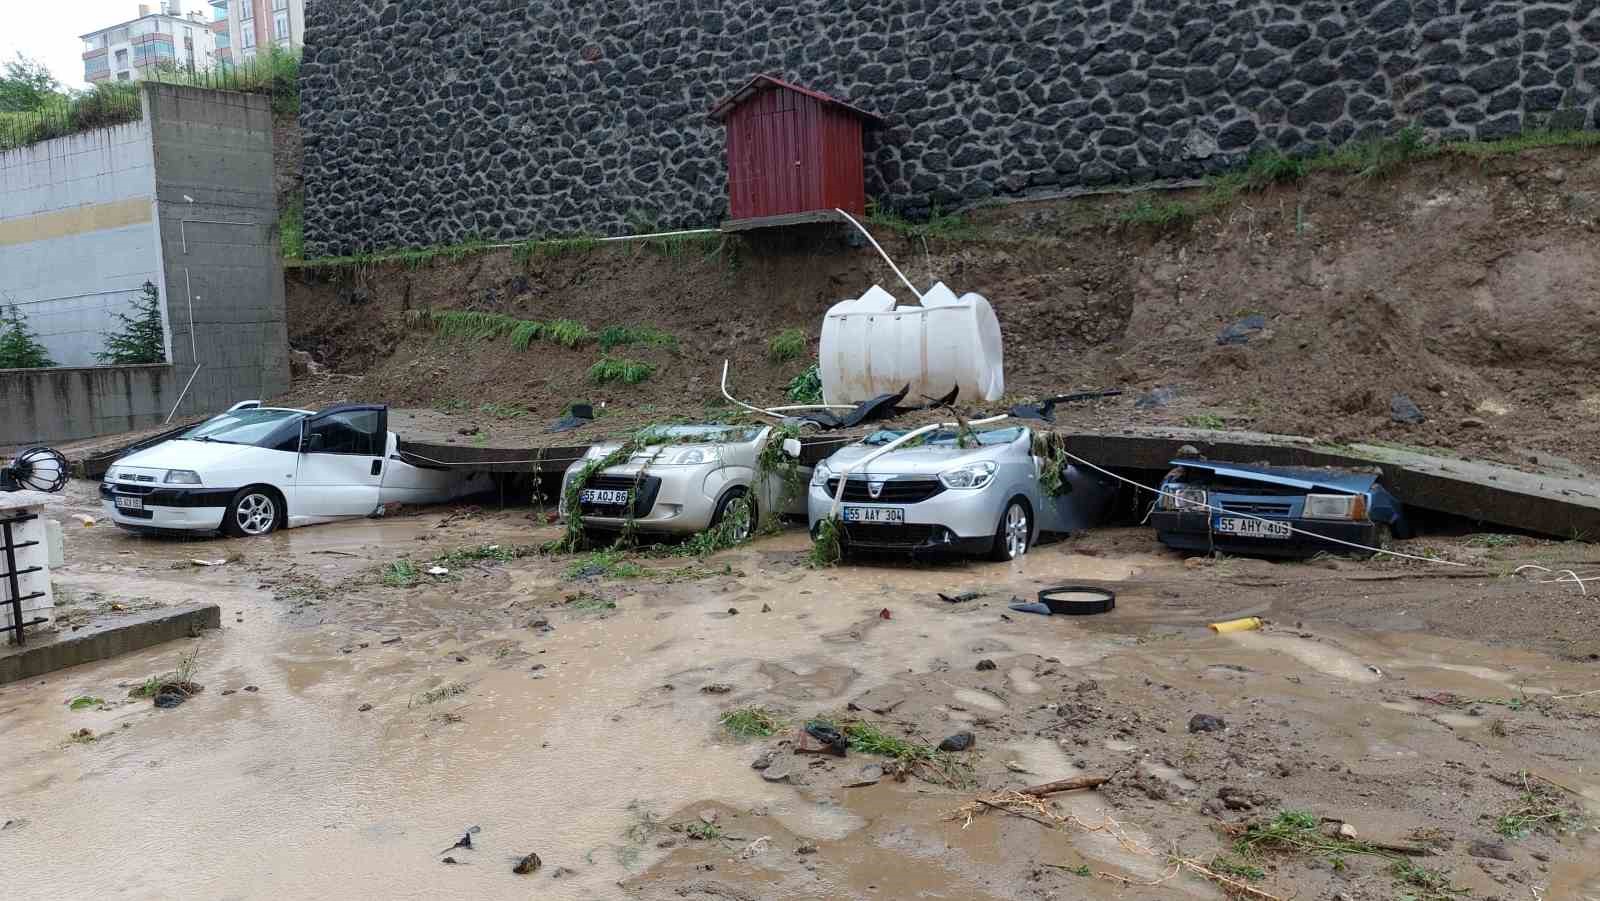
(429, 123)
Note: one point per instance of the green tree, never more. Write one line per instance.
(26, 84)
(142, 338)
(19, 349)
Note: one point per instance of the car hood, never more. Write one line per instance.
(1304, 478)
(195, 455)
(922, 459)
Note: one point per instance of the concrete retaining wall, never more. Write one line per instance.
(53, 405)
(428, 123)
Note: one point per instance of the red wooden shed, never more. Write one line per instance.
(794, 154)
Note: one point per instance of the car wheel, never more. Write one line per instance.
(742, 532)
(253, 511)
(1015, 532)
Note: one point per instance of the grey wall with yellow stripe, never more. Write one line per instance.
(182, 199)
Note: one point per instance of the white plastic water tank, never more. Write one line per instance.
(873, 345)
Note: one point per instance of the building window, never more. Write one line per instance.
(123, 76)
(280, 26)
(122, 59)
(280, 5)
(247, 38)
(247, 10)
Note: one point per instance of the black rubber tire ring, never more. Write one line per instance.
(1106, 601)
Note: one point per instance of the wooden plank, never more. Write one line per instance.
(806, 218)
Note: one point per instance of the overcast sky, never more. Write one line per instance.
(47, 30)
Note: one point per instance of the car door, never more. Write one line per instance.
(341, 462)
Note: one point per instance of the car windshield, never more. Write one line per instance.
(945, 437)
(694, 434)
(240, 426)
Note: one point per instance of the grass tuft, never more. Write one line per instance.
(1423, 883)
(441, 693)
(614, 369)
(502, 553)
(401, 574)
(607, 564)
(789, 344)
(938, 225)
(826, 546)
(1205, 421)
(1537, 810)
(751, 722)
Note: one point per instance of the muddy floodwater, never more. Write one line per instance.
(351, 729)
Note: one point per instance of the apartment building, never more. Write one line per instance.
(247, 27)
(160, 38)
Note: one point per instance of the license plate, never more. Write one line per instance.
(605, 497)
(130, 503)
(888, 515)
(1251, 528)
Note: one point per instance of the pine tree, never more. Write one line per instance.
(19, 349)
(141, 338)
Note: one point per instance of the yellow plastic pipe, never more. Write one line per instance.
(1248, 624)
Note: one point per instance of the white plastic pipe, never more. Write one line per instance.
(844, 474)
(876, 246)
(775, 412)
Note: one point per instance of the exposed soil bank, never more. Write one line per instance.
(1469, 286)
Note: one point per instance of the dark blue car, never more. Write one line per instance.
(1273, 511)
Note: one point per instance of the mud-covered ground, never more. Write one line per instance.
(572, 709)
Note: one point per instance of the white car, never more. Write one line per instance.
(936, 496)
(683, 484)
(255, 469)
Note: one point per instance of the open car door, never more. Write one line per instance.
(341, 462)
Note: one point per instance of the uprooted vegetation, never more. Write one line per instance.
(179, 682)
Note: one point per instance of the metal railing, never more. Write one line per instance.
(9, 546)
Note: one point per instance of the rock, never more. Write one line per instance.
(777, 770)
(251, 688)
(451, 860)
(1240, 332)
(708, 816)
(985, 665)
(1404, 409)
(169, 700)
(1205, 722)
(1472, 422)
(528, 864)
(733, 611)
(1347, 831)
(1212, 807)
(1156, 398)
(870, 775)
(716, 688)
(1492, 850)
(363, 708)
(807, 848)
(766, 608)
(764, 759)
(229, 691)
(1283, 768)
(960, 741)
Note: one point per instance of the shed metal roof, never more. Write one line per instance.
(765, 82)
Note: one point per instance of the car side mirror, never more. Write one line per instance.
(310, 444)
(791, 447)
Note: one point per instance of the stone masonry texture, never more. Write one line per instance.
(438, 121)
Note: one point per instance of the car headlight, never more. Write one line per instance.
(1335, 506)
(182, 477)
(1183, 498)
(594, 452)
(111, 474)
(686, 456)
(973, 475)
(820, 474)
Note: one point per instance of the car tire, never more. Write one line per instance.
(253, 511)
(732, 495)
(1014, 535)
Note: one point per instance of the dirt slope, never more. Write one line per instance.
(1472, 287)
